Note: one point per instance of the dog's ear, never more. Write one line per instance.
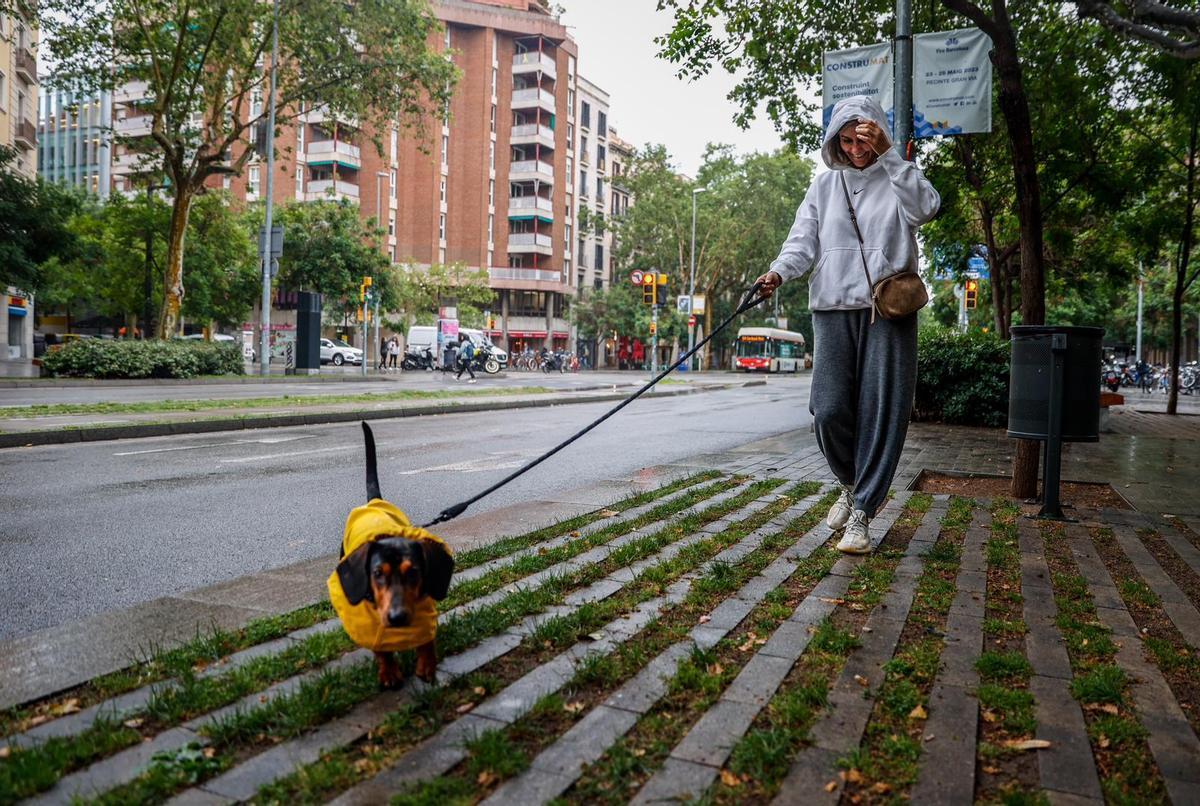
(353, 572)
(439, 566)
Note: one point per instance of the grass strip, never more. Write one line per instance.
(334, 692)
(1128, 772)
(292, 401)
(344, 767)
(887, 762)
(762, 758)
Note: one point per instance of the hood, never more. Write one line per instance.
(854, 108)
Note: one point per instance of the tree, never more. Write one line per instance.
(221, 263)
(1173, 29)
(207, 67)
(34, 218)
(420, 291)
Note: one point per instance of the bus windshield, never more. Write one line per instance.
(753, 347)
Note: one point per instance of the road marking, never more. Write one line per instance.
(265, 441)
(469, 466)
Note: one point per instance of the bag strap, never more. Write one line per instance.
(861, 251)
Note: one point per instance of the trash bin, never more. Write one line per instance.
(308, 332)
(1029, 387)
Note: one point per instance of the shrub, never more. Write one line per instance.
(962, 378)
(100, 358)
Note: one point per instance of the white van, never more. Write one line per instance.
(422, 336)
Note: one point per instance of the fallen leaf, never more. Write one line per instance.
(862, 681)
(574, 534)
(486, 778)
(65, 707)
(37, 720)
(866, 629)
(4, 751)
(929, 737)
(209, 752)
(480, 690)
(827, 600)
(639, 752)
(831, 786)
(857, 607)
(1027, 744)
(729, 779)
(918, 713)
(573, 707)
(362, 765)
(991, 770)
(596, 636)
(133, 723)
(609, 513)
(989, 717)
(853, 776)
(715, 669)
(881, 788)
(1109, 708)
(466, 706)
(705, 619)
(1103, 742)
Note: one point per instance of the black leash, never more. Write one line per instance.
(749, 301)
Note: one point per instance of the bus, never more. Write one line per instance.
(768, 349)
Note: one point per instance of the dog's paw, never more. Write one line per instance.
(427, 673)
(390, 679)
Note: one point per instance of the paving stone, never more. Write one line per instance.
(1066, 765)
(594, 593)
(706, 637)
(1178, 606)
(675, 776)
(1043, 644)
(953, 720)
(517, 698)
(115, 770)
(533, 786)
(759, 678)
(711, 739)
(972, 582)
(1183, 547)
(1057, 798)
(806, 781)
(790, 638)
(198, 797)
(577, 747)
(729, 613)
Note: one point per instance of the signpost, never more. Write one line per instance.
(636, 277)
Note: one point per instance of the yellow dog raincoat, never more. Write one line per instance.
(378, 519)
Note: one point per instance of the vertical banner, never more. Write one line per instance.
(858, 71)
(952, 83)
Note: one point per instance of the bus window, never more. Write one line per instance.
(752, 347)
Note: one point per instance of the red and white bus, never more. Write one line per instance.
(768, 349)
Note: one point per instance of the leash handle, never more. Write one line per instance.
(750, 300)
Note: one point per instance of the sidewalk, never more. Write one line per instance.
(702, 639)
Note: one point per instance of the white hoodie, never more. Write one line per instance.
(891, 198)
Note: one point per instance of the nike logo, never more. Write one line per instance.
(855, 193)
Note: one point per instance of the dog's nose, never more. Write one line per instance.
(398, 618)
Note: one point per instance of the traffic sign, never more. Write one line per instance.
(683, 303)
(691, 321)
(977, 268)
(635, 277)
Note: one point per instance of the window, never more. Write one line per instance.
(571, 66)
(570, 167)
(442, 227)
(491, 257)
(570, 137)
(526, 303)
(583, 149)
(495, 78)
(254, 181)
(599, 256)
(445, 149)
(601, 124)
(583, 188)
(3, 93)
(493, 119)
(442, 256)
(392, 183)
(571, 104)
(567, 239)
(599, 188)
(447, 37)
(491, 193)
(492, 154)
(300, 138)
(395, 144)
(491, 227)
(581, 252)
(601, 153)
(570, 208)
(585, 115)
(256, 104)
(443, 191)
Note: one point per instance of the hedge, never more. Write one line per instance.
(962, 378)
(101, 358)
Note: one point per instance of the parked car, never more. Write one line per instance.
(338, 352)
(215, 337)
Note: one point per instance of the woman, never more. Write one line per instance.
(864, 366)
(393, 352)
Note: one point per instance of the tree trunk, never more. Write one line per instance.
(1176, 344)
(1181, 266)
(168, 321)
(1015, 105)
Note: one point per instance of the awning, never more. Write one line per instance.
(13, 310)
(541, 218)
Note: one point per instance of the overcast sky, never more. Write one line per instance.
(649, 104)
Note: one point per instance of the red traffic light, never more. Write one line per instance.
(972, 285)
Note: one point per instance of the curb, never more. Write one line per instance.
(28, 439)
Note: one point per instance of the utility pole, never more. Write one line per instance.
(902, 48)
(149, 258)
(653, 341)
(1138, 350)
(264, 336)
(692, 281)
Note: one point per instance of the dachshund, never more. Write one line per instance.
(388, 580)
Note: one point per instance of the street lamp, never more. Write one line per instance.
(692, 281)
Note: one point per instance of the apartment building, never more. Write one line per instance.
(18, 109)
(75, 139)
(621, 156)
(595, 237)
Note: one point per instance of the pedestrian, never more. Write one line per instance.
(466, 354)
(381, 364)
(856, 226)
(393, 352)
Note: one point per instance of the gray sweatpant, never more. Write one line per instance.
(864, 379)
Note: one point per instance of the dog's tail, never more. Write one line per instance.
(372, 472)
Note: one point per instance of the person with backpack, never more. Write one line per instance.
(466, 355)
(855, 232)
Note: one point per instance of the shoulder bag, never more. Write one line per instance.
(893, 297)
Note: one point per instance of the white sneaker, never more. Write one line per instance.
(857, 539)
(471, 381)
(839, 513)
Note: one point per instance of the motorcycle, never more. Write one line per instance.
(484, 359)
(418, 359)
(1111, 378)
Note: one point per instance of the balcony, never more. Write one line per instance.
(321, 116)
(527, 242)
(533, 99)
(26, 64)
(138, 126)
(327, 152)
(330, 190)
(502, 273)
(531, 133)
(533, 62)
(530, 171)
(529, 206)
(131, 92)
(25, 135)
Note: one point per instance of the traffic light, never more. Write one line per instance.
(660, 282)
(649, 288)
(362, 289)
(972, 292)
(653, 328)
